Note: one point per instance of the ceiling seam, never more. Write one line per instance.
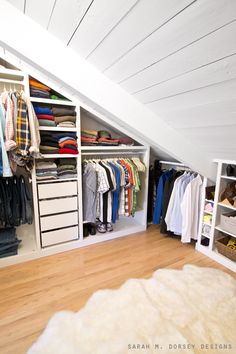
(112, 29)
(192, 90)
(50, 17)
(150, 34)
(184, 73)
(24, 6)
(176, 51)
(85, 13)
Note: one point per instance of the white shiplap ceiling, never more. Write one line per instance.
(178, 57)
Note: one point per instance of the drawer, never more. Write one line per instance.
(58, 236)
(55, 206)
(54, 190)
(57, 221)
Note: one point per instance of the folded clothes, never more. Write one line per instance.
(126, 141)
(104, 140)
(45, 116)
(88, 139)
(45, 151)
(90, 132)
(48, 142)
(85, 135)
(61, 111)
(45, 122)
(45, 177)
(65, 118)
(38, 84)
(67, 161)
(67, 151)
(34, 93)
(66, 167)
(65, 135)
(48, 170)
(46, 173)
(67, 124)
(45, 164)
(83, 143)
(66, 138)
(68, 141)
(43, 110)
(70, 146)
(67, 175)
(61, 173)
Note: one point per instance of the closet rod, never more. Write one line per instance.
(117, 153)
(173, 163)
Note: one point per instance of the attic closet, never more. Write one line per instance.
(71, 137)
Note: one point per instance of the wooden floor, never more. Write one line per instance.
(30, 293)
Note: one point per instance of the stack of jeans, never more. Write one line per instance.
(8, 242)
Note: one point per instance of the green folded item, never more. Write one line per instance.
(66, 167)
(46, 123)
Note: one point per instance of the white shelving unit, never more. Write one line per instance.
(37, 240)
(216, 230)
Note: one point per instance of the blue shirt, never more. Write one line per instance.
(159, 196)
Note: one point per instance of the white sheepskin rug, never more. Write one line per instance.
(175, 311)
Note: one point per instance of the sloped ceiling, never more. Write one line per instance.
(177, 57)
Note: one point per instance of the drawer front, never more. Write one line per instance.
(57, 221)
(54, 206)
(54, 190)
(54, 237)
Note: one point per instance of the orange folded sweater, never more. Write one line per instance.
(38, 84)
(68, 142)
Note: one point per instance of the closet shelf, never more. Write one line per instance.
(226, 206)
(206, 223)
(225, 232)
(209, 201)
(55, 180)
(56, 156)
(115, 148)
(207, 236)
(11, 72)
(58, 129)
(229, 177)
(207, 212)
(49, 101)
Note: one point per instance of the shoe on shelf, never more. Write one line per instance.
(86, 230)
(101, 227)
(231, 170)
(109, 227)
(92, 229)
(228, 195)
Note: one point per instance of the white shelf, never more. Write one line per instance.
(225, 232)
(207, 212)
(226, 206)
(118, 148)
(11, 72)
(206, 223)
(209, 201)
(38, 181)
(229, 177)
(56, 156)
(52, 102)
(58, 129)
(207, 236)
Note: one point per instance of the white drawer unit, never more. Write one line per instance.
(58, 221)
(56, 190)
(59, 236)
(54, 206)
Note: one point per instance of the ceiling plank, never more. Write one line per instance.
(215, 93)
(19, 4)
(103, 16)
(145, 17)
(212, 74)
(39, 11)
(66, 17)
(217, 45)
(196, 21)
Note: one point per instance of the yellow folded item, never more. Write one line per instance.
(38, 84)
(91, 132)
(232, 243)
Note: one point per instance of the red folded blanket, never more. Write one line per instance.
(68, 151)
(104, 140)
(45, 116)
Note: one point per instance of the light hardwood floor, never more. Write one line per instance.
(30, 293)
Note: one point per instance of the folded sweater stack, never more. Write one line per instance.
(60, 168)
(45, 116)
(64, 117)
(38, 90)
(58, 143)
(89, 137)
(100, 138)
(46, 170)
(66, 168)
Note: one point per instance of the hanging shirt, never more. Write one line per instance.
(190, 210)
(89, 193)
(5, 166)
(159, 196)
(115, 203)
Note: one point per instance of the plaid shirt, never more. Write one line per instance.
(23, 140)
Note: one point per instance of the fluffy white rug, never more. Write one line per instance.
(176, 311)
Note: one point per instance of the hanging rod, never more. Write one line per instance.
(173, 163)
(116, 153)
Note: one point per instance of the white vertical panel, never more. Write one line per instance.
(39, 11)
(66, 16)
(144, 18)
(101, 18)
(196, 21)
(19, 4)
